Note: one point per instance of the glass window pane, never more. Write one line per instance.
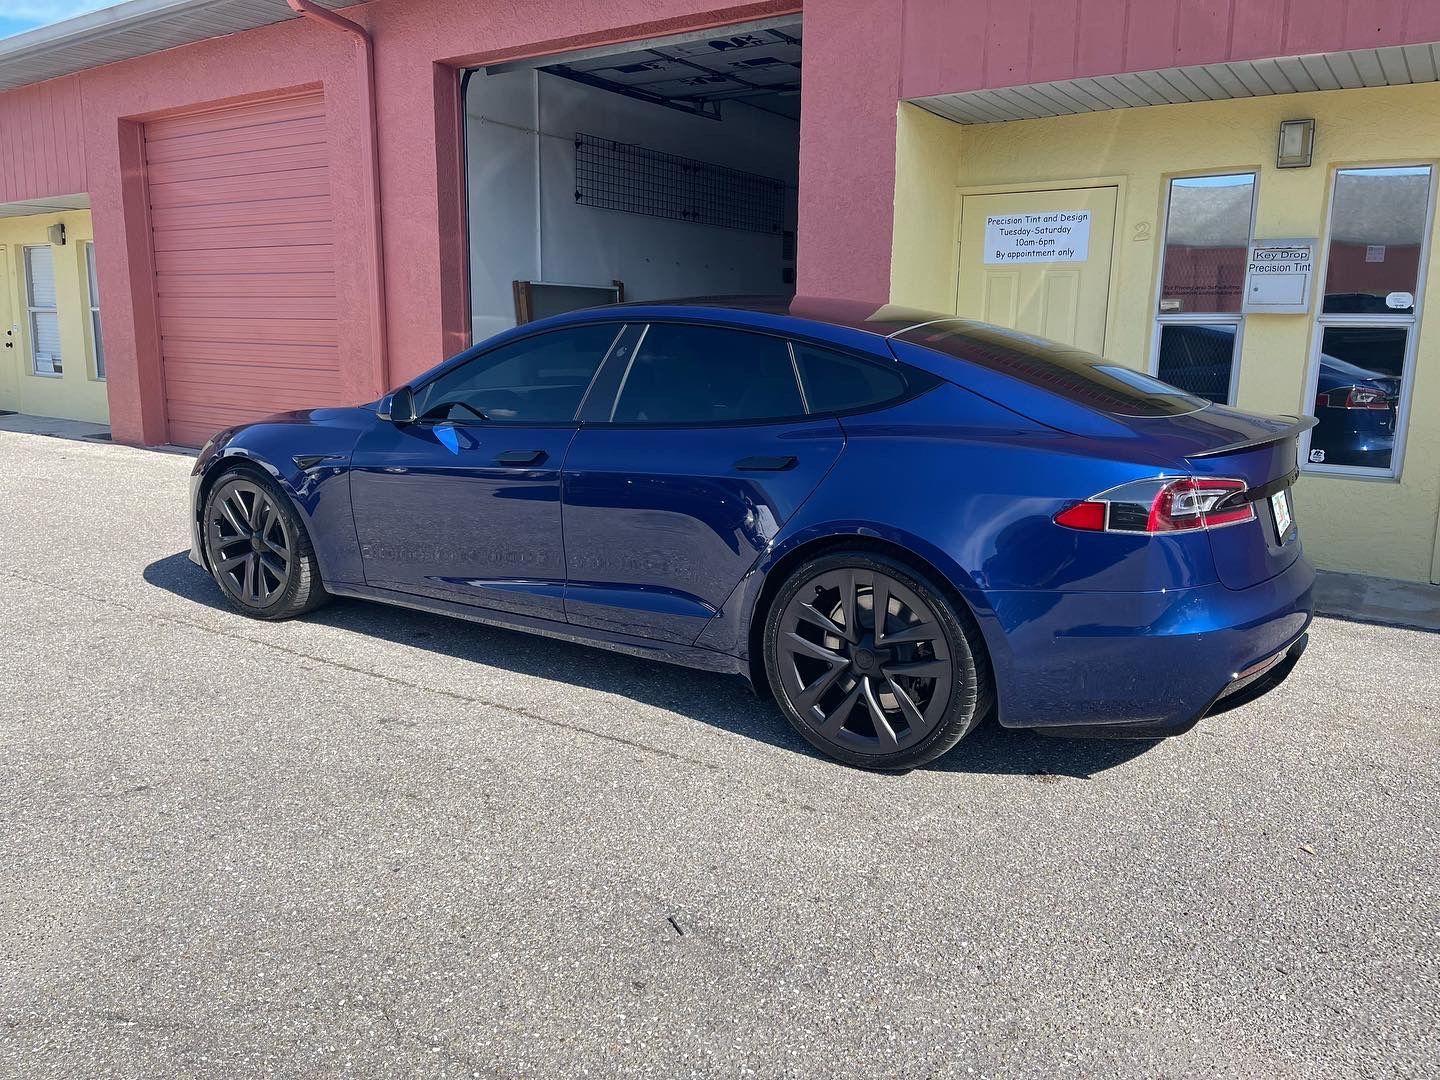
(835, 382)
(99, 348)
(702, 374)
(1207, 239)
(1357, 394)
(40, 277)
(1377, 230)
(1198, 358)
(94, 287)
(90, 274)
(537, 380)
(45, 342)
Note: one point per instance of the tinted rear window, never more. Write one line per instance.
(835, 382)
(1075, 374)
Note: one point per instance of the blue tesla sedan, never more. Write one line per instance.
(897, 522)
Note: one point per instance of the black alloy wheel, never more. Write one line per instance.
(257, 549)
(871, 664)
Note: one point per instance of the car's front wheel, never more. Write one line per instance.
(257, 548)
(872, 663)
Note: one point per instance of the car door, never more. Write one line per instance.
(463, 503)
(682, 475)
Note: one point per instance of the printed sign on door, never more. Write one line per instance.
(1050, 236)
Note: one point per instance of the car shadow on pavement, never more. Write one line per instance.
(721, 701)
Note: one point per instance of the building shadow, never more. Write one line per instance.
(722, 701)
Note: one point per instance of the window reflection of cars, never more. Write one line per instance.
(1355, 406)
(1356, 409)
(1364, 304)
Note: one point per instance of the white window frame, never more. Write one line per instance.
(31, 309)
(1236, 320)
(1411, 322)
(92, 289)
(1216, 318)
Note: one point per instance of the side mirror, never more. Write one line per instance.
(398, 406)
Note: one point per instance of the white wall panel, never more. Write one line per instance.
(656, 258)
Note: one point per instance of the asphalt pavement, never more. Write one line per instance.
(375, 843)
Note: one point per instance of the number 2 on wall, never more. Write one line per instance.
(1142, 231)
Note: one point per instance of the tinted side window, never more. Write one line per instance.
(537, 380)
(835, 382)
(702, 374)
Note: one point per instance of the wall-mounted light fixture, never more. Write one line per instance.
(57, 234)
(1297, 144)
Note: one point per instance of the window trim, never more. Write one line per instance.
(799, 382)
(30, 309)
(1236, 318)
(625, 375)
(1321, 320)
(92, 296)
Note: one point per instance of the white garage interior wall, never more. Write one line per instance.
(526, 225)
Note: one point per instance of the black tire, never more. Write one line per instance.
(257, 548)
(891, 700)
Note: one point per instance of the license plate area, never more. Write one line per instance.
(1280, 509)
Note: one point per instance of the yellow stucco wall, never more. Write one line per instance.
(1382, 527)
(77, 394)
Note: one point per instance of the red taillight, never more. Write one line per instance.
(1166, 504)
(1089, 516)
(1354, 397)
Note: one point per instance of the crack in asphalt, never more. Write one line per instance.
(453, 695)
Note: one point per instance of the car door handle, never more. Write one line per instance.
(521, 457)
(762, 463)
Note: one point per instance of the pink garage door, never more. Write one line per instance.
(244, 263)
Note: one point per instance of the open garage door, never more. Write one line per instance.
(647, 170)
(244, 263)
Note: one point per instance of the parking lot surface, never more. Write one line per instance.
(378, 843)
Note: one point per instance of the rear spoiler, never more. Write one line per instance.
(1293, 430)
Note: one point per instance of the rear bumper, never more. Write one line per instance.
(1266, 676)
(1144, 665)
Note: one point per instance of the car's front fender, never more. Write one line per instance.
(308, 456)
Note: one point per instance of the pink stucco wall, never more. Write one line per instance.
(40, 130)
(848, 97)
(82, 132)
(950, 47)
(418, 45)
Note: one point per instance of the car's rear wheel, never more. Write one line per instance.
(257, 548)
(872, 663)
